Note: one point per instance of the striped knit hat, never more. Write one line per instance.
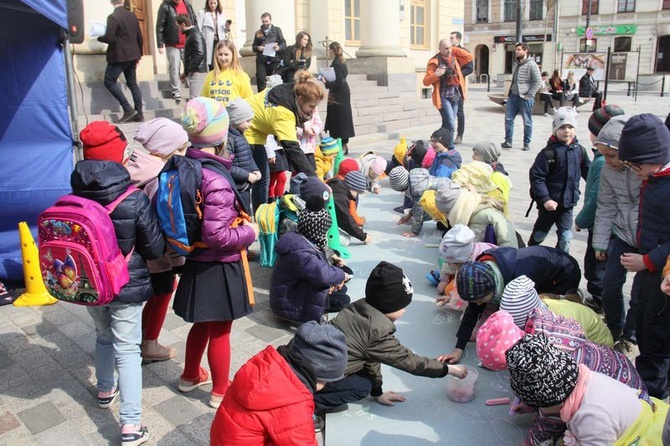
(355, 181)
(206, 122)
(518, 298)
(602, 116)
(329, 146)
(475, 280)
(399, 178)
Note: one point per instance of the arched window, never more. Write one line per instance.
(663, 54)
(622, 43)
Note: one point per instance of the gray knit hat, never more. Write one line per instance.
(323, 347)
(610, 134)
(399, 178)
(446, 197)
(457, 244)
(519, 298)
(564, 116)
(239, 111)
(488, 151)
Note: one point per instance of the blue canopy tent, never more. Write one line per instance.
(36, 144)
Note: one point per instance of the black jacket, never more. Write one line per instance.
(342, 197)
(123, 36)
(195, 52)
(135, 221)
(274, 36)
(167, 31)
(587, 86)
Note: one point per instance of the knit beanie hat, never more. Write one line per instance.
(239, 111)
(103, 141)
(315, 193)
(610, 134)
(518, 298)
(541, 375)
(474, 280)
(645, 140)
(314, 225)
(446, 197)
(346, 166)
(355, 181)
(488, 151)
(418, 181)
(457, 244)
(273, 81)
(388, 289)
(323, 348)
(443, 136)
(296, 183)
(417, 152)
(601, 116)
(399, 178)
(372, 165)
(161, 136)
(329, 146)
(206, 122)
(494, 337)
(564, 116)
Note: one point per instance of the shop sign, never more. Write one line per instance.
(608, 30)
(527, 38)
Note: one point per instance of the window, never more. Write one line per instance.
(510, 10)
(666, 4)
(585, 7)
(626, 6)
(663, 54)
(583, 48)
(536, 9)
(418, 23)
(482, 7)
(622, 44)
(352, 21)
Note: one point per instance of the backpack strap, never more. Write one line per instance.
(111, 206)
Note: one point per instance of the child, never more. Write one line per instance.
(488, 152)
(162, 138)
(303, 278)
(271, 400)
(243, 170)
(368, 326)
(446, 160)
(118, 325)
(614, 231)
(554, 180)
(214, 289)
(278, 167)
(596, 408)
(593, 269)
(644, 148)
(345, 197)
(482, 282)
(324, 157)
(372, 166)
(308, 135)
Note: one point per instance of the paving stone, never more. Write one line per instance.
(8, 422)
(65, 434)
(267, 334)
(42, 329)
(179, 411)
(198, 429)
(41, 417)
(5, 360)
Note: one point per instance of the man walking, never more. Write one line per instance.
(589, 89)
(195, 56)
(170, 41)
(466, 70)
(526, 80)
(125, 42)
(268, 38)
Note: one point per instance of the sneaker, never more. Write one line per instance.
(580, 100)
(552, 110)
(186, 385)
(135, 437)
(176, 97)
(526, 147)
(139, 117)
(106, 399)
(319, 424)
(215, 400)
(506, 145)
(624, 346)
(458, 140)
(399, 210)
(127, 116)
(547, 115)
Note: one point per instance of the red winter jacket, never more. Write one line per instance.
(266, 404)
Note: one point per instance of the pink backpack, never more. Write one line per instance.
(80, 258)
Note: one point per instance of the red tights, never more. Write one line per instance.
(153, 314)
(277, 184)
(218, 354)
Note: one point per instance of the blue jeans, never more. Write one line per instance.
(118, 330)
(516, 105)
(128, 69)
(613, 303)
(259, 190)
(448, 113)
(562, 218)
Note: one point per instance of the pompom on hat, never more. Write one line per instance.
(399, 178)
(323, 347)
(206, 122)
(104, 141)
(600, 117)
(497, 334)
(388, 289)
(161, 136)
(329, 146)
(475, 280)
(315, 193)
(457, 244)
(239, 111)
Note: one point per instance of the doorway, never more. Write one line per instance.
(482, 58)
(139, 8)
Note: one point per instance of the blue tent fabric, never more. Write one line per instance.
(36, 144)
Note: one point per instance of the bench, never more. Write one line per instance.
(538, 106)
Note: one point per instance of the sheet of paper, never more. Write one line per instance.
(328, 74)
(97, 29)
(269, 50)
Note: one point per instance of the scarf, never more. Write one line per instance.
(574, 401)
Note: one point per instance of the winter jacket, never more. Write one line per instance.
(559, 180)
(504, 230)
(463, 58)
(167, 31)
(267, 404)
(587, 215)
(343, 198)
(228, 86)
(653, 233)
(210, 31)
(274, 35)
(324, 164)
(527, 78)
(618, 207)
(371, 342)
(219, 211)
(242, 158)
(300, 279)
(135, 221)
(195, 52)
(594, 327)
(587, 86)
(445, 163)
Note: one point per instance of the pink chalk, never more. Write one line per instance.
(497, 401)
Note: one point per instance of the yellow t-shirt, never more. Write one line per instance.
(270, 119)
(230, 85)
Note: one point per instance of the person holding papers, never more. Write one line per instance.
(339, 120)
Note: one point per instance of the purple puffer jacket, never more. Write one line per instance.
(219, 212)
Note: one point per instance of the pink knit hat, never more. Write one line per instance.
(494, 337)
(372, 165)
(161, 136)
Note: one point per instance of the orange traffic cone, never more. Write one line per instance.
(36, 293)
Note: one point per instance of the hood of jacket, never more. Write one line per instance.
(100, 181)
(293, 241)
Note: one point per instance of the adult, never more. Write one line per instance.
(466, 70)
(521, 98)
(123, 54)
(267, 35)
(170, 41)
(227, 81)
(278, 111)
(195, 56)
(556, 84)
(213, 26)
(298, 56)
(339, 119)
(588, 88)
(546, 96)
(443, 72)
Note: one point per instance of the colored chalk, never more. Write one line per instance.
(515, 406)
(497, 401)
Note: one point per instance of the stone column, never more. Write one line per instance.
(283, 16)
